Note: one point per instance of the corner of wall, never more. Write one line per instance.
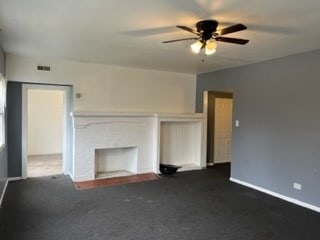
(3, 192)
(3, 151)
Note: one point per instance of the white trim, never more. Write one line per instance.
(2, 147)
(204, 130)
(3, 192)
(112, 114)
(67, 127)
(222, 162)
(283, 197)
(71, 176)
(12, 179)
(137, 114)
(24, 134)
(3, 90)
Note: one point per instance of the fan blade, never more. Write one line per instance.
(232, 40)
(231, 29)
(189, 30)
(182, 39)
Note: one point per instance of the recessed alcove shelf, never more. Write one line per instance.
(180, 141)
(113, 144)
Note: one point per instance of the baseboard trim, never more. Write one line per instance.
(283, 197)
(71, 176)
(12, 179)
(3, 192)
(212, 164)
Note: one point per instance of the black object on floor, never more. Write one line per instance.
(201, 205)
(168, 168)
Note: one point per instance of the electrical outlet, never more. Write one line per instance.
(297, 186)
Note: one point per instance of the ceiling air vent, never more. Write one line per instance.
(43, 68)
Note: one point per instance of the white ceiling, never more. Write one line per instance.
(130, 33)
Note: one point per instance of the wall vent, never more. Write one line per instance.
(43, 68)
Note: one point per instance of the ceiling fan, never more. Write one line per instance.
(207, 35)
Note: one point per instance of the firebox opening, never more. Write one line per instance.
(115, 162)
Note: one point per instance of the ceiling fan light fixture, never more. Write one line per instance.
(196, 47)
(210, 47)
(207, 33)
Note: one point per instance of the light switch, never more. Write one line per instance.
(237, 123)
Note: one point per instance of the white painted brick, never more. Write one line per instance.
(112, 131)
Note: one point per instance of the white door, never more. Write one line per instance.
(222, 130)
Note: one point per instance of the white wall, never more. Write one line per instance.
(111, 88)
(45, 120)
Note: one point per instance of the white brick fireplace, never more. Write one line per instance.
(107, 143)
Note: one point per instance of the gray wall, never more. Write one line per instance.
(2, 62)
(3, 152)
(14, 128)
(278, 141)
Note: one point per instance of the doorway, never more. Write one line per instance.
(46, 130)
(219, 127)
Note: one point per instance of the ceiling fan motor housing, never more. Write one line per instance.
(206, 28)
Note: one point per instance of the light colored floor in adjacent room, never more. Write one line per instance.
(44, 165)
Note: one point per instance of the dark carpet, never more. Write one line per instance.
(190, 205)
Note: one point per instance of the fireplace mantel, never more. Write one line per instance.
(150, 133)
(111, 114)
(135, 114)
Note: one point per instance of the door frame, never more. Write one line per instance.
(67, 124)
(209, 108)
